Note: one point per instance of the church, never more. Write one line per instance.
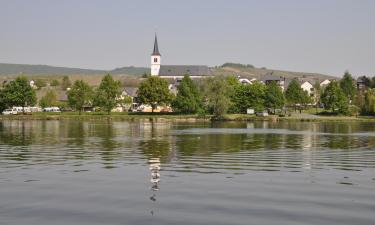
(175, 71)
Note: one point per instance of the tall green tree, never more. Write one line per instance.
(274, 97)
(80, 95)
(107, 96)
(3, 103)
(189, 98)
(49, 99)
(216, 94)
(65, 83)
(19, 93)
(294, 94)
(335, 99)
(348, 85)
(317, 95)
(369, 102)
(154, 91)
(248, 96)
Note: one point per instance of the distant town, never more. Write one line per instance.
(187, 89)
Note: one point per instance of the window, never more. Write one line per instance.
(155, 59)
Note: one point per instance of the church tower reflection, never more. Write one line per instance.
(155, 178)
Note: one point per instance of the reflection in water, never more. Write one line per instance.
(92, 172)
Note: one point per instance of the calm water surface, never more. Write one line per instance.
(106, 172)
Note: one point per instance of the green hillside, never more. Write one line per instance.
(16, 69)
(245, 71)
(250, 71)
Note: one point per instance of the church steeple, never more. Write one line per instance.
(155, 58)
(156, 48)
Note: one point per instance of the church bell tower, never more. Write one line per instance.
(155, 59)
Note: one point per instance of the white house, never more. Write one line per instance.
(175, 71)
(307, 86)
(325, 82)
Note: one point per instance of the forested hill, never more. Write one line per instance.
(15, 69)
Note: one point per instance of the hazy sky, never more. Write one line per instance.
(326, 36)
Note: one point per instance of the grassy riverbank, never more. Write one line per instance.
(175, 116)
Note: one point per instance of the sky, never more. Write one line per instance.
(324, 36)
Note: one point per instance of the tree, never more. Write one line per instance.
(305, 99)
(40, 83)
(347, 84)
(369, 102)
(216, 89)
(66, 83)
(107, 96)
(19, 93)
(274, 98)
(3, 103)
(49, 99)
(79, 95)
(294, 94)
(188, 99)
(55, 83)
(334, 98)
(248, 96)
(317, 95)
(154, 91)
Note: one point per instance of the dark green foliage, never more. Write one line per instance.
(3, 103)
(107, 96)
(66, 83)
(348, 85)
(188, 99)
(216, 94)
(154, 91)
(80, 95)
(274, 98)
(19, 93)
(335, 99)
(248, 96)
(49, 99)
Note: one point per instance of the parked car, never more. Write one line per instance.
(10, 112)
(51, 109)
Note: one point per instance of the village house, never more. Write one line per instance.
(281, 81)
(132, 93)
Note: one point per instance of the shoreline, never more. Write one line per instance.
(178, 117)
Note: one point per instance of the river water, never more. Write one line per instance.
(108, 172)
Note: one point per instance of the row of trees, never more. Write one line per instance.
(219, 95)
(106, 96)
(214, 95)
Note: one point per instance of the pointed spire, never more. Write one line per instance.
(156, 48)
